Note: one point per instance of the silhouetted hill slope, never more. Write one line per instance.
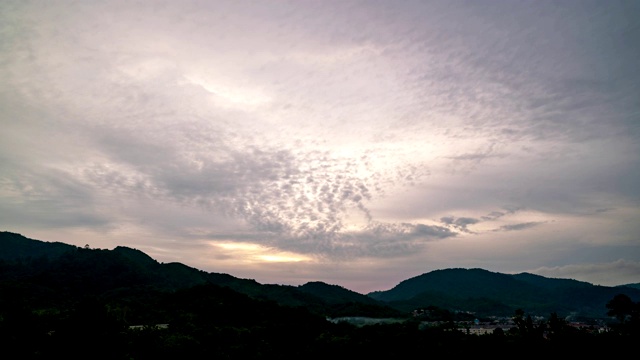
(635, 286)
(74, 270)
(78, 303)
(122, 264)
(136, 256)
(67, 269)
(550, 283)
(334, 294)
(487, 293)
(15, 246)
(461, 282)
(345, 302)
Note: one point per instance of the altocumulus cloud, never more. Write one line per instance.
(335, 130)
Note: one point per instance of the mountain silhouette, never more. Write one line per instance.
(485, 292)
(63, 269)
(69, 270)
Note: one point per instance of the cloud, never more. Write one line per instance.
(47, 199)
(379, 239)
(460, 223)
(283, 127)
(619, 272)
(290, 199)
(520, 226)
(493, 215)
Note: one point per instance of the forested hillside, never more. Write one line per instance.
(75, 302)
(489, 293)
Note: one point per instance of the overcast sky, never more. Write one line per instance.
(359, 143)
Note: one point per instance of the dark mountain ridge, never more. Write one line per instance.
(487, 292)
(15, 246)
(72, 270)
(67, 269)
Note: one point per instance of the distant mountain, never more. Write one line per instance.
(15, 246)
(334, 294)
(635, 286)
(65, 269)
(490, 293)
(64, 301)
(71, 270)
(344, 302)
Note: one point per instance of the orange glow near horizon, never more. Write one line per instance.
(256, 253)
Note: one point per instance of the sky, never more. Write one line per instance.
(358, 143)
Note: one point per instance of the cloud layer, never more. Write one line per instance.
(430, 134)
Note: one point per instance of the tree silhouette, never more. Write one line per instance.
(627, 312)
(621, 307)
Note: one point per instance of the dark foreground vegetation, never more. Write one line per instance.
(82, 303)
(209, 321)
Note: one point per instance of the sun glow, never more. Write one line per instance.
(280, 258)
(254, 253)
(231, 95)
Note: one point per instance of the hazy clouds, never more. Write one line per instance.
(400, 137)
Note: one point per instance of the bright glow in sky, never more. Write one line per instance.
(358, 143)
